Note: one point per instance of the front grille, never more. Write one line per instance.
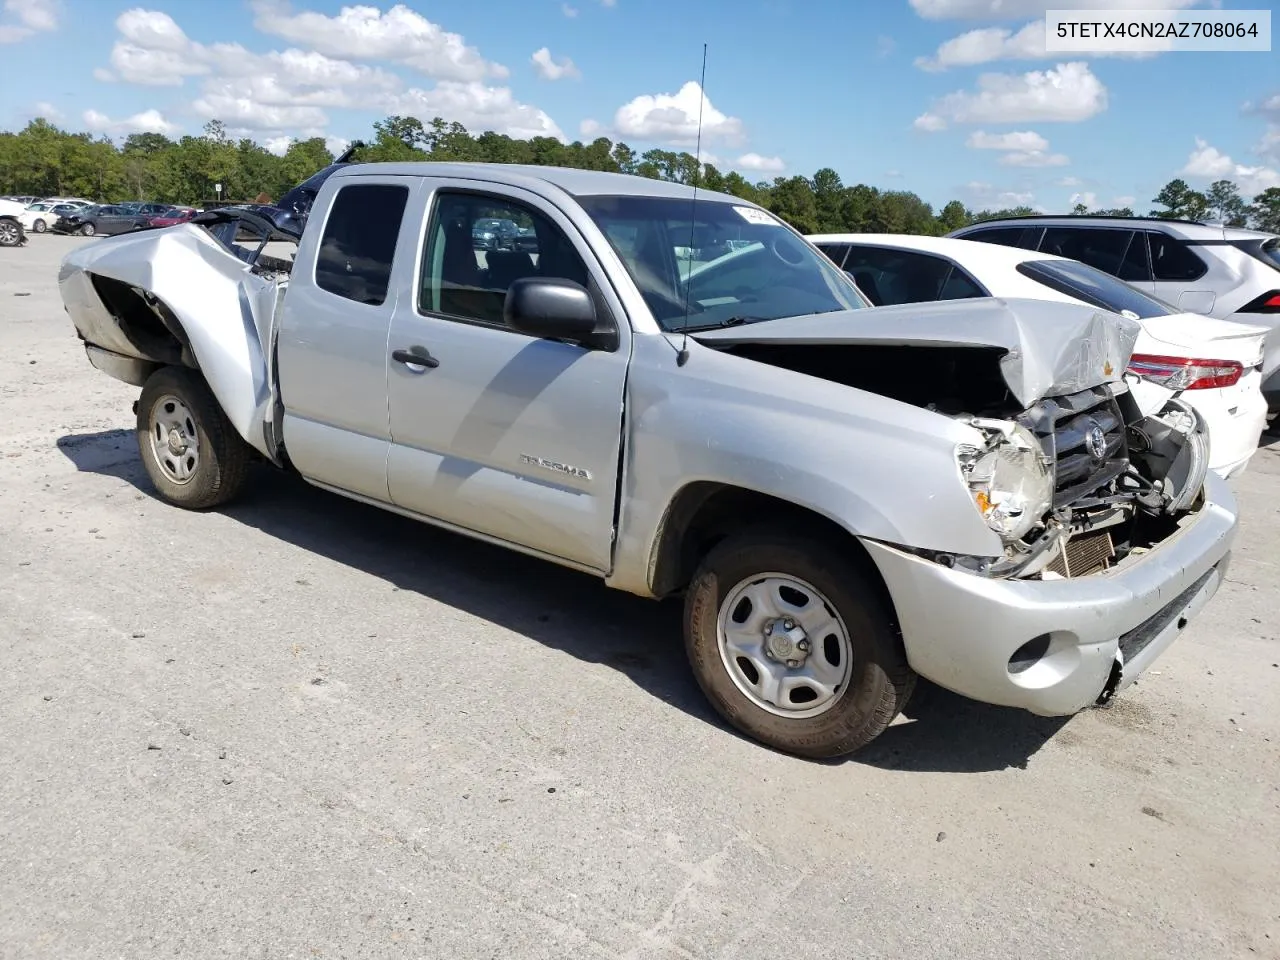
(1084, 554)
(1063, 425)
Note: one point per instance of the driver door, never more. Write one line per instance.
(496, 432)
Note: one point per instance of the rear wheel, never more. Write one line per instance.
(793, 647)
(86, 230)
(39, 226)
(189, 448)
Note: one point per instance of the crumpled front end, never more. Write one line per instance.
(1135, 541)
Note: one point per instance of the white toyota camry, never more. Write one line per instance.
(1216, 364)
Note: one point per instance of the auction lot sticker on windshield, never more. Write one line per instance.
(759, 217)
(1156, 31)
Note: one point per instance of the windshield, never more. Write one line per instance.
(1094, 287)
(733, 264)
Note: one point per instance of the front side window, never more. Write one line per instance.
(717, 262)
(1094, 287)
(889, 276)
(1171, 259)
(1102, 249)
(478, 245)
(835, 252)
(1024, 237)
(359, 241)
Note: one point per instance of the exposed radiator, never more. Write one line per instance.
(1085, 553)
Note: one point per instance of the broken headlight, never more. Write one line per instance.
(1009, 478)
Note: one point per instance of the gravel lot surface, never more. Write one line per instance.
(302, 727)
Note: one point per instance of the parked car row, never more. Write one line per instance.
(84, 217)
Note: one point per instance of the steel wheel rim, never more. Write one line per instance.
(780, 636)
(8, 233)
(175, 442)
(40, 226)
(87, 229)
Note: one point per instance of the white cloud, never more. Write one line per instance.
(988, 44)
(1014, 9)
(277, 145)
(893, 174)
(1124, 200)
(282, 93)
(753, 161)
(475, 106)
(1068, 92)
(568, 11)
(1068, 182)
(1269, 146)
(48, 111)
(365, 33)
(550, 69)
(1088, 198)
(988, 195)
(608, 3)
(885, 46)
(1034, 158)
(148, 121)
(1013, 140)
(1209, 163)
(32, 16)
(673, 119)
(336, 145)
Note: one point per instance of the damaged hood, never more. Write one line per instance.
(1050, 348)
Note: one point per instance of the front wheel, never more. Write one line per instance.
(86, 230)
(10, 232)
(793, 647)
(189, 448)
(39, 226)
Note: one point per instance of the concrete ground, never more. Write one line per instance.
(301, 727)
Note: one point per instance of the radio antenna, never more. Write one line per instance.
(682, 356)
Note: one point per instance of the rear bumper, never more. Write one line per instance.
(961, 630)
(1235, 425)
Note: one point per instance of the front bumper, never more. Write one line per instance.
(961, 629)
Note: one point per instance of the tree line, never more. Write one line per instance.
(45, 160)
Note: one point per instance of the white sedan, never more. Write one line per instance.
(39, 217)
(1217, 364)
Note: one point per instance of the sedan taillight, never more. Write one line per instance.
(1267, 303)
(1183, 373)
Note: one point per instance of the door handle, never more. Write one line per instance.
(418, 356)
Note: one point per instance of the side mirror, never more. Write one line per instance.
(550, 308)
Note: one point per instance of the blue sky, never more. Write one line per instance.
(942, 97)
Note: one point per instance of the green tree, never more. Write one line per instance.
(1080, 210)
(793, 200)
(1180, 202)
(1226, 204)
(953, 216)
(1265, 213)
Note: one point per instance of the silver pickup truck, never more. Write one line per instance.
(681, 395)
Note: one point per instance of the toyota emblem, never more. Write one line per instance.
(1095, 442)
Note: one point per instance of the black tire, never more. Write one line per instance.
(880, 682)
(11, 232)
(39, 226)
(220, 464)
(87, 230)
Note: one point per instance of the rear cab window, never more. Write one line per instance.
(359, 241)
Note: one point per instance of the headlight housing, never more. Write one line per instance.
(1010, 478)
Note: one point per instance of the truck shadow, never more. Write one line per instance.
(563, 609)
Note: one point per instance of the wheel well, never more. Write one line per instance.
(146, 322)
(703, 513)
